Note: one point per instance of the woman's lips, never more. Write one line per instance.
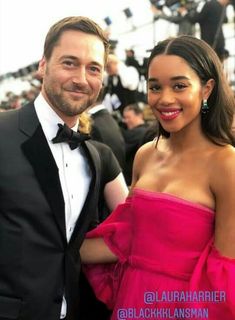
(169, 114)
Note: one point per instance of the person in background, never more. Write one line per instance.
(113, 188)
(175, 232)
(121, 84)
(104, 128)
(180, 17)
(50, 178)
(131, 59)
(211, 18)
(133, 117)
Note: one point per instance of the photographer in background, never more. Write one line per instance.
(211, 19)
(178, 16)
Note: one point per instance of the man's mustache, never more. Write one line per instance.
(80, 88)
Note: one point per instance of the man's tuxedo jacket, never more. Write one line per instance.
(37, 265)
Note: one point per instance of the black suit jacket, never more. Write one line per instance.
(211, 19)
(105, 129)
(37, 265)
(133, 141)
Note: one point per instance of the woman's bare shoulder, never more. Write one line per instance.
(142, 156)
(224, 157)
(146, 149)
(223, 167)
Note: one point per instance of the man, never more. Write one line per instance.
(179, 17)
(136, 128)
(121, 84)
(131, 59)
(48, 187)
(104, 128)
(211, 19)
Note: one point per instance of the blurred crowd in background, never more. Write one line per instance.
(123, 97)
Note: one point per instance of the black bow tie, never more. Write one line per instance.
(73, 138)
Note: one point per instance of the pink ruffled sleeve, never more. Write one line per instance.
(116, 232)
(215, 274)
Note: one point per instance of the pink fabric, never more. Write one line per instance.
(164, 244)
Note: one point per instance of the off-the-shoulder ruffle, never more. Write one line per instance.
(117, 233)
(216, 273)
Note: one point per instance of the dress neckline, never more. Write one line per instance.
(171, 197)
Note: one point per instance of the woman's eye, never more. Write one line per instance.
(180, 86)
(154, 88)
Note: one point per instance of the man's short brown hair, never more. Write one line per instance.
(77, 23)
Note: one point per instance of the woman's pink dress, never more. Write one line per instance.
(167, 265)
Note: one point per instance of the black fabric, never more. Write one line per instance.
(133, 138)
(210, 19)
(90, 307)
(72, 260)
(110, 169)
(105, 129)
(125, 95)
(73, 138)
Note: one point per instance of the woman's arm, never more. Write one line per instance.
(115, 192)
(96, 251)
(223, 186)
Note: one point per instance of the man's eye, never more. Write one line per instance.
(68, 63)
(95, 69)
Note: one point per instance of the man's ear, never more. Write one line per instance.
(41, 67)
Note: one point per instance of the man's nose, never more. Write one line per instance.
(80, 76)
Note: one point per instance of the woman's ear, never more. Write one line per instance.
(207, 88)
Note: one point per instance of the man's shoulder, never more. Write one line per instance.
(22, 120)
(105, 156)
(100, 147)
(7, 115)
(15, 112)
(101, 114)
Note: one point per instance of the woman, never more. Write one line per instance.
(172, 243)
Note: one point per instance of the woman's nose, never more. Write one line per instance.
(167, 97)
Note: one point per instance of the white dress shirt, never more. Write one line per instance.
(74, 171)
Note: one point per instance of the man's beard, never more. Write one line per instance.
(62, 104)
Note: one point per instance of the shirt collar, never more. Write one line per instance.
(48, 118)
(96, 109)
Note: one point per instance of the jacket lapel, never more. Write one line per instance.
(37, 151)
